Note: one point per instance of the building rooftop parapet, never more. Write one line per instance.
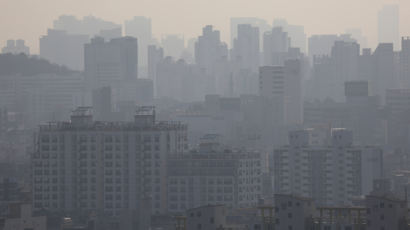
(111, 126)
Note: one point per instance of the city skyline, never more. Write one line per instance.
(165, 21)
(205, 115)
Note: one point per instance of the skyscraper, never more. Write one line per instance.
(140, 27)
(345, 61)
(275, 46)
(209, 50)
(384, 70)
(255, 22)
(272, 89)
(113, 63)
(101, 101)
(405, 63)
(155, 56)
(282, 86)
(293, 92)
(109, 62)
(388, 25)
(296, 33)
(246, 47)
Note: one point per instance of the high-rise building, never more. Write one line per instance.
(105, 167)
(16, 47)
(88, 25)
(331, 71)
(405, 63)
(48, 97)
(182, 81)
(293, 92)
(141, 28)
(155, 56)
(282, 85)
(275, 46)
(398, 104)
(173, 45)
(62, 48)
(211, 56)
(331, 174)
(321, 45)
(365, 65)
(209, 50)
(385, 73)
(113, 63)
(272, 89)
(388, 25)
(102, 103)
(145, 92)
(246, 48)
(255, 22)
(295, 32)
(345, 61)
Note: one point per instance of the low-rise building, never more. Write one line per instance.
(293, 212)
(20, 217)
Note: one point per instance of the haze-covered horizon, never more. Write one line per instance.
(29, 20)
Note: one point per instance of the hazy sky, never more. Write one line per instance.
(28, 19)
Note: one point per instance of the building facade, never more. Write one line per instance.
(82, 165)
(331, 174)
(214, 177)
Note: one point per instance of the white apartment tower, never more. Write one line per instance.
(109, 167)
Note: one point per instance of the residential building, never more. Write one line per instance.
(332, 174)
(113, 63)
(246, 48)
(141, 28)
(214, 175)
(294, 212)
(296, 33)
(106, 167)
(275, 46)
